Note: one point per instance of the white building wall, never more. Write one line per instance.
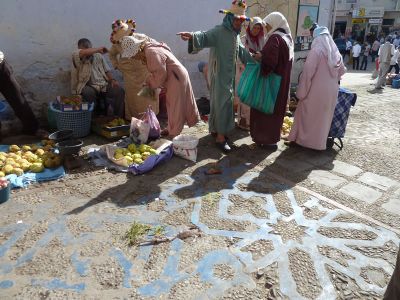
(38, 36)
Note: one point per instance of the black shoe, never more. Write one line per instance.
(272, 147)
(223, 146)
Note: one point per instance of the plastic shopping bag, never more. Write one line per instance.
(147, 92)
(185, 146)
(151, 119)
(257, 91)
(139, 131)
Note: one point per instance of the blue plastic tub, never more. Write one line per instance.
(396, 83)
(5, 194)
(6, 112)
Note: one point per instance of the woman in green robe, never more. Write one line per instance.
(225, 48)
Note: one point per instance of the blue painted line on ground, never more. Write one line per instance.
(5, 268)
(57, 284)
(81, 267)
(6, 284)
(19, 230)
(170, 275)
(155, 288)
(125, 264)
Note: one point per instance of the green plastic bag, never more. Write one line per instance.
(257, 91)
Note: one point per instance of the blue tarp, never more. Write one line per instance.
(27, 178)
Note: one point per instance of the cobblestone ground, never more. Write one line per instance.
(293, 224)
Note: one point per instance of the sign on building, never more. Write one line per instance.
(375, 21)
(307, 14)
(368, 12)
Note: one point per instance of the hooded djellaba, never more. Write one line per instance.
(134, 71)
(225, 48)
(276, 57)
(322, 71)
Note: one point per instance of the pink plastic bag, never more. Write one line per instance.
(151, 119)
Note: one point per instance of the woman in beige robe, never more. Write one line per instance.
(166, 71)
(134, 72)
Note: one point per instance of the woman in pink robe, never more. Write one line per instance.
(317, 92)
(166, 71)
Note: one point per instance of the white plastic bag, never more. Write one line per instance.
(185, 146)
(139, 131)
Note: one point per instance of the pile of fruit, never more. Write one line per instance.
(134, 154)
(28, 158)
(71, 100)
(116, 122)
(287, 126)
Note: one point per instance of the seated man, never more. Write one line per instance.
(12, 91)
(91, 77)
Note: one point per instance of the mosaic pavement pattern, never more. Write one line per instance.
(261, 240)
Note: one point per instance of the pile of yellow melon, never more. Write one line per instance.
(287, 126)
(134, 154)
(29, 158)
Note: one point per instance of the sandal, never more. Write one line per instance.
(223, 146)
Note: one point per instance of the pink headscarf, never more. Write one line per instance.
(324, 44)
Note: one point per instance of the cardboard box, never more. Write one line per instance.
(72, 103)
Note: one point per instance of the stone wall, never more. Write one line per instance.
(38, 36)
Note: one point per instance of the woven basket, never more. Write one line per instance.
(78, 121)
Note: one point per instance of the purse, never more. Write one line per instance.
(257, 91)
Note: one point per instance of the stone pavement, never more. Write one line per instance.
(293, 224)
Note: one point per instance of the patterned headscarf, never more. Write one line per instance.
(131, 45)
(278, 21)
(121, 28)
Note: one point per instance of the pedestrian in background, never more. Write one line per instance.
(356, 56)
(349, 46)
(394, 62)
(375, 49)
(386, 51)
(366, 50)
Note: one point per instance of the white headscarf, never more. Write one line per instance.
(131, 44)
(276, 20)
(324, 43)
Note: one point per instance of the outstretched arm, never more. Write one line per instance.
(91, 51)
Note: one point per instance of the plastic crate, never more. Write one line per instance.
(78, 121)
(98, 126)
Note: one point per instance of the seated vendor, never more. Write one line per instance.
(91, 77)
